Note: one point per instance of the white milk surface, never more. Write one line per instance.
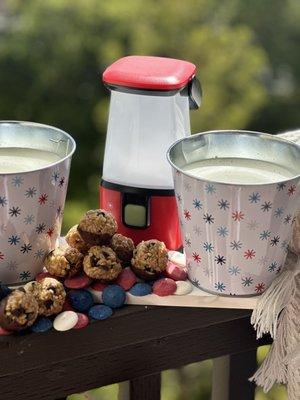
(15, 159)
(238, 170)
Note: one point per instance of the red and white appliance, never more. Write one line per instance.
(149, 110)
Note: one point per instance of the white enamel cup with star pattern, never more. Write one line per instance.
(31, 202)
(235, 235)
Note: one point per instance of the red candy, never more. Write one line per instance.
(83, 321)
(98, 286)
(67, 306)
(77, 282)
(43, 275)
(4, 332)
(175, 272)
(164, 287)
(126, 279)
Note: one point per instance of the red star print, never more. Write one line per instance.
(238, 216)
(187, 215)
(291, 190)
(50, 232)
(249, 254)
(43, 198)
(177, 172)
(260, 287)
(1, 255)
(196, 257)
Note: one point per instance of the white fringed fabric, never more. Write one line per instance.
(278, 313)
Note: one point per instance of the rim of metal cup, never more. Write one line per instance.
(232, 131)
(42, 126)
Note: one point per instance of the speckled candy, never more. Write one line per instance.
(183, 287)
(42, 324)
(77, 282)
(114, 296)
(100, 312)
(83, 321)
(164, 287)
(141, 289)
(175, 272)
(65, 321)
(81, 300)
(126, 279)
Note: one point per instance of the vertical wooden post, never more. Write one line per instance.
(242, 367)
(145, 387)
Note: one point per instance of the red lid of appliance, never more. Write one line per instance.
(150, 73)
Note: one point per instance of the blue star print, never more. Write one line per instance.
(196, 283)
(254, 197)
(26, 248)
(222, 231)
(236, 245)
(39, 254)
(266, 206)
(17, 181)
(210, 189)
(30, 192)
(285, 246)
(223, 204)
(197, 204)
(247, 281)
(208, 247)
(265, 235)
(3, 201)
(220, 259)
(13, 240)
(14, 211)
(272, 266)
(55, 176)
(188, 242)
(40, 228)
(12, 265)
(281, 186)
(287, 219)
(278, 212)
(29, 219)
(234, 270)
(220, 287)
(179, 198)
(25, 275)
(208, 218)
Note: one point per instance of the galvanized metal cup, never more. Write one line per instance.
(235, 235)
(31, 203)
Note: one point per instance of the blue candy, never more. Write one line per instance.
(100, 312)
(4, 291)
(42, 324)
(114, 296)
(141, 289)
(81, 300)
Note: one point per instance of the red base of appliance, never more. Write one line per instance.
(164, 222)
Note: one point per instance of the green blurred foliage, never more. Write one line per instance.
(52, 54)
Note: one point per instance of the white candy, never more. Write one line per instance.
(65, 321)
(97, 295)
(183, 287)
(177, 258)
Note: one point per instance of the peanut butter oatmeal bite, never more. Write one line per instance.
(64, 262)
(74, 239)
(18, 310)
(49, 294)
(97, 227)
(123, 247)
(149, 259)
(101, 263)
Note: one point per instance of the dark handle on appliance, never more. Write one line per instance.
(194, 93)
